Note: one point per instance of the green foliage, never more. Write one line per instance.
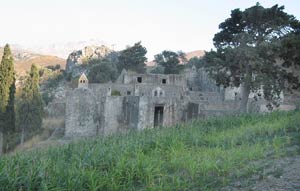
(54, 68)
(248, 50)
(170, 61)
(53, 81)
(201, 155)
(102, 71)
(30, 106)
(195, 61)
(290, 52)
(133, 58)
(47, 97)
(7, 97)
(6, 77)
(158, 70)
(115, 93)
(10, 117)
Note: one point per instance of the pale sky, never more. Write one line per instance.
(185, 25)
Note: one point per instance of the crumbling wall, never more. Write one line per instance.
(113, 114)
(170, 79)
(131, 112)
(172, 112)
(81, 113)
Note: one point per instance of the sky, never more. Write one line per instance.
(175, 25)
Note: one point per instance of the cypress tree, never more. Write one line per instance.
(6, 77)
(37, 103)
(30, 110)
(10, 114)
(7, 95)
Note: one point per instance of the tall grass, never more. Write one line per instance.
(201, 155)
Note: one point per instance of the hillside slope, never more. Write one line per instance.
(24, 59)
(201, 155)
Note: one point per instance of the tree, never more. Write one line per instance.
(30, 109)
(7, 94)
(102, 71)
(247, 54)
(158, 70)
(195, 61)
(290, 53)
(6, 77)
(170, 61)
(133, 58)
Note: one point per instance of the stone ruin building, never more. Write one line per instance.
(138, 101)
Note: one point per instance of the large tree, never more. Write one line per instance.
(7, 92)
(133, 58)
(170, 61)
(247, 52)
(30, 108)
(102, 71)
(6, 77)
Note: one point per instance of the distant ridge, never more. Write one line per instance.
(23, 60)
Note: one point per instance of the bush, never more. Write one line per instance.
(115, 93)
(47, 97)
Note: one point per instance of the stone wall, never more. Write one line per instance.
(172, 111)
(171, 79)
(81, 113)
(113, 114)
(56, 109)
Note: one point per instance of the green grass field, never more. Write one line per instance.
(201, 155)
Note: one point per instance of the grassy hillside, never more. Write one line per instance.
(24, 59)
(202, 155)
(23, 66)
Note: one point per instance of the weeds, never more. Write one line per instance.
(201, 155)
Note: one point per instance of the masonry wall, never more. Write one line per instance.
(172, 113)
(171, 79)
(81, 113)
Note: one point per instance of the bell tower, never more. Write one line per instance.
(83, 82)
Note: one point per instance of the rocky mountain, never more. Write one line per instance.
(24, 59)
(62, 50)
(80, 57)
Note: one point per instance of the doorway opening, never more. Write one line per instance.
(158, 115)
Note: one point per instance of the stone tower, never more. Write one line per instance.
(83, 82)
(81, 111)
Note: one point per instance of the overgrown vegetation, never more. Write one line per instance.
(201, 155)
(169, 62)
(133, 58)
(102, 71)
(30, 105)
(256, 49)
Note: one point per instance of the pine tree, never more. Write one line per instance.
(247, 52)
(170, 61)
(133, 58)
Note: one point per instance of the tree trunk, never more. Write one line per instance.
(22, 136)
(245, 91)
